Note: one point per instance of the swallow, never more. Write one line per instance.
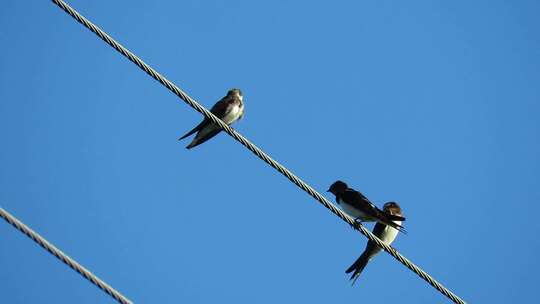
(358, 206)
(229, 109)
(385, 233)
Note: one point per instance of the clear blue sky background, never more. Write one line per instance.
(434, 104)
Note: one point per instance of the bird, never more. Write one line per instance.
(358, 206)
(385, 233)
(229, 109)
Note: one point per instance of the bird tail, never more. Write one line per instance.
(394, 217)
(358, 266)
(197, 128)
(392, 224)
(193, 144)
(199, 139)
(388, 219)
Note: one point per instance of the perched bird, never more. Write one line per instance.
(383, 232)
(229, 109)
(359, 207)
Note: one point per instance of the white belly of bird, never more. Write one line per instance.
(390, 234)
(233, 115)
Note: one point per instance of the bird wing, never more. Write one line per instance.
(197, 128)
(360, 202)
(223, 106)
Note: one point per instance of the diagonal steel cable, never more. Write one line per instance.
(257, 151)
(63, 257)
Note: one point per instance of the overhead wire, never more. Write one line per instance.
(41, 241)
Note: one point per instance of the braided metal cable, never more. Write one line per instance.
(256, 150)
(63, 257)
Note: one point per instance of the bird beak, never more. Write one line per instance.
(328, 190)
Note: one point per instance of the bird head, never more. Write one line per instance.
(337, 187)
(235, 92)
(392, 208)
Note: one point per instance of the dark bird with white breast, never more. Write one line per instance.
(229, 109)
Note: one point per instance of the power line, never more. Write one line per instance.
(254, 149)
(63, 257)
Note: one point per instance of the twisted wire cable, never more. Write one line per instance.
(254, 149)
(63, 257)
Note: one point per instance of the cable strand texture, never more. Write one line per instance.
(254, 149)
(63, 257)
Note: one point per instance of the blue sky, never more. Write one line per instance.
(433, 104)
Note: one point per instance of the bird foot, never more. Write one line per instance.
(357, 223)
